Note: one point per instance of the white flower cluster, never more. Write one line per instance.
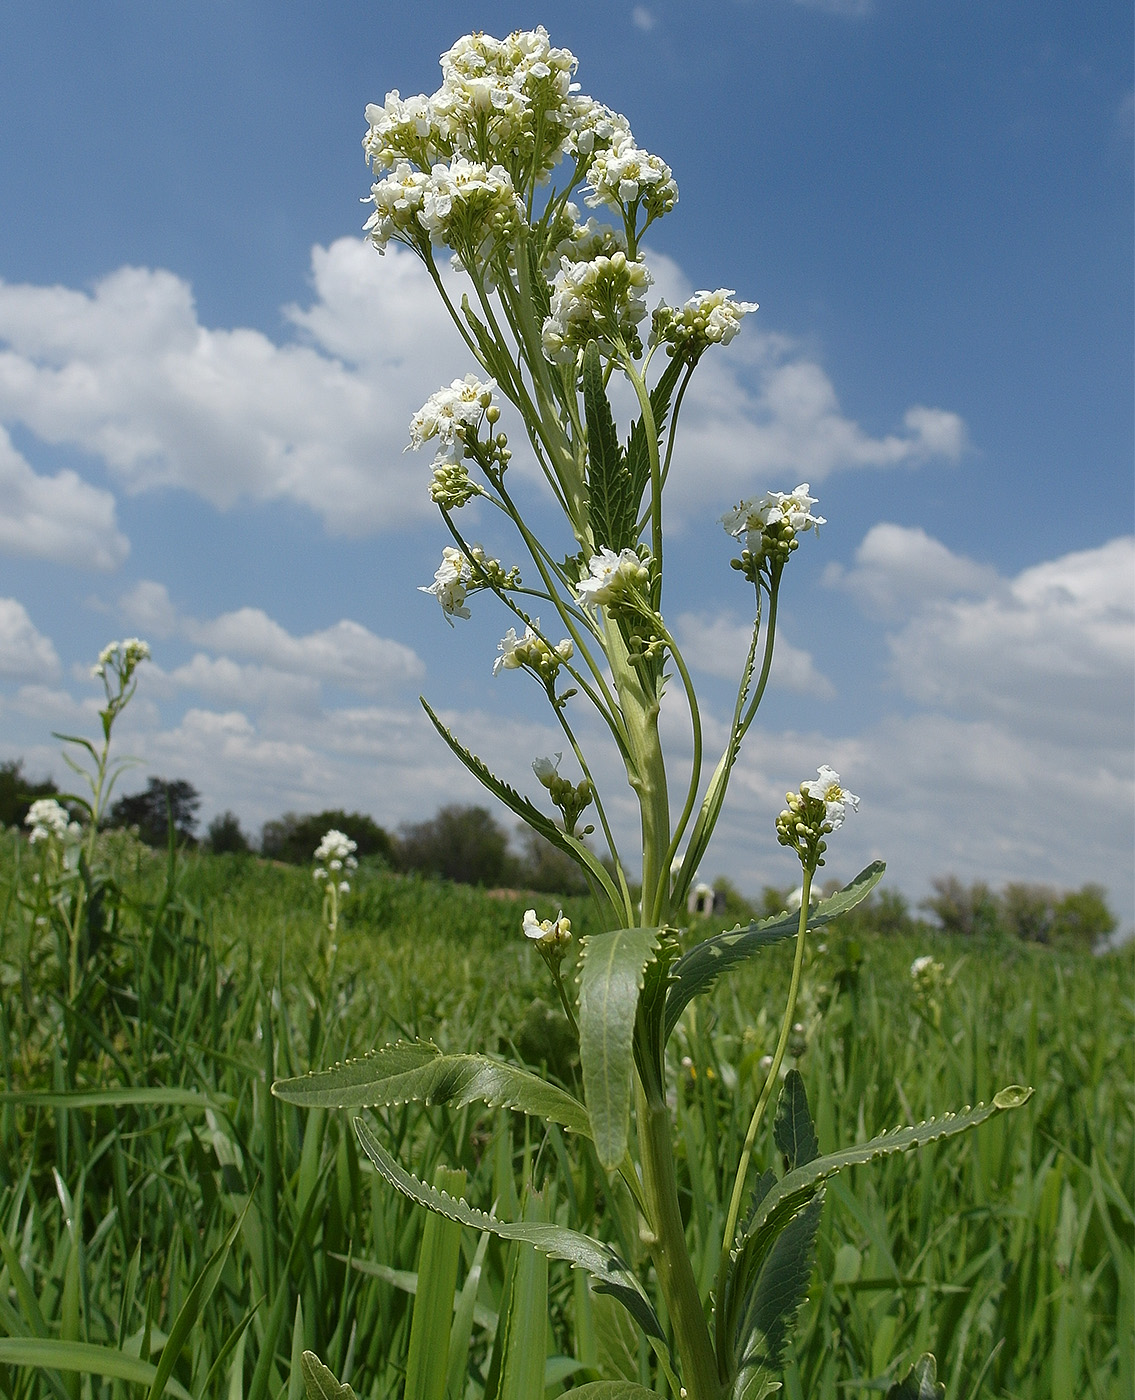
(580, 242)
(49, 821)
(122, 657)
(450, 414)
(774, 508)
(708, 318)
(532, 651)
(507, 111)
(610, 575)
(625, 175)
(459, 574)
(338, 851)
(826, 788)
(603, 298)
(557, 930)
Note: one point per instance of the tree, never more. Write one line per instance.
(17, 793)
(463, 844)
(1082, 916)
(153, 810)
(968, 910)
(293, 838)
(545, 868)
(224, 835)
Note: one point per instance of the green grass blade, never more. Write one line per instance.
(427, 1366)
(612, 971)
(526, 1318)
(86, 1358)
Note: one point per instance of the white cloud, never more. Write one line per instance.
(852, 9)
(127, 372)
(643, 18)
(25, 653)
(147, 606)
(718, 646)
(60, 518)
(898, 568)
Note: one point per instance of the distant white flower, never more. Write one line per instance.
(609, 574)
(48, 819)
(826, 787)
(336, 848)
(123, 657)
(921, 965)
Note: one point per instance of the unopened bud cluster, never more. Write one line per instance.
(452, 486)
(572, 799)
(770, 525)
(708, 318)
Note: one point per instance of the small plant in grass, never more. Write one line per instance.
(554, 315)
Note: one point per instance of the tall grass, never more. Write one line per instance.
(159, 1205)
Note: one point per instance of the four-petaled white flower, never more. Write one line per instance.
(557, 930)
(758, 513)
(513, 649)
(609, 574)
(48, 820)
(451, 583)
(450, 413)
(826, 788)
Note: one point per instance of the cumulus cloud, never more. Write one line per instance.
(718, 645)
(898, 567)
(127, 372)
(25, 653)
(60, 518)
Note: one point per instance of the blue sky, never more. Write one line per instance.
(205, 378)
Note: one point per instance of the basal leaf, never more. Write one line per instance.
(920, 1383)
(609, 1273)
(420, 1073)
(696, 971)
(792, 1131)
(610, 980)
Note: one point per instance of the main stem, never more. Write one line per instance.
(668, 1250)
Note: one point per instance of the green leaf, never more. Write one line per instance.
(115, 1098)
(696, 971)
(613, 1390)
(526, 811)
(427, 1364)
(920, 1383)
(798, 1187)
(611, 508)
(612, 968)
(419, 1073)
(638, 455)
(320, 1383)
(609, 1272)
(85, 1357)
(526, 1317)
(792, 1131)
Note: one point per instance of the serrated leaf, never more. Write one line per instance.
(920, 1383)
(608, 1271)
(319, 1382)
(525, 810)
(612, 966)
(781, 1287)
(792, 1131)
(613, 1390)
(797, 1188)
(420, 1073)
(611, 510)
(696, 971)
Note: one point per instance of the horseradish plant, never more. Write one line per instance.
(491, 170)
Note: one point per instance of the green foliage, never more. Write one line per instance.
(18, 792)
(162, 804)
(224, 835)
(293, 838)
(920, 1383)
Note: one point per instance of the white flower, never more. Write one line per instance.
(513, 649)
(773, 508)
(397, 201)
(48, 819)
(609, 574)
(123, 657)
(826, 788)
(708, 318)
(450, 413)
(624, 174)
(451, 583)
(335, 848)
(547, 771)
(921, 965)
(557, 930)
(604, 298)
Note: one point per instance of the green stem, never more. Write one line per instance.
(771, 1079)
(668, 1250)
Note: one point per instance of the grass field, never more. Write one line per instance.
(158, 1205)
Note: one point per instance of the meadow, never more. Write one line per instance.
(167, 1224)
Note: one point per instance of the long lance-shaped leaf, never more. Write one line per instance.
(797, 1188)
(638, 453)
(610, 509)
(88, 1358)
(115, 1098)
(696, 971)
(420, 1073)
(526, 811)
(612, 968)
(608, 1271)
